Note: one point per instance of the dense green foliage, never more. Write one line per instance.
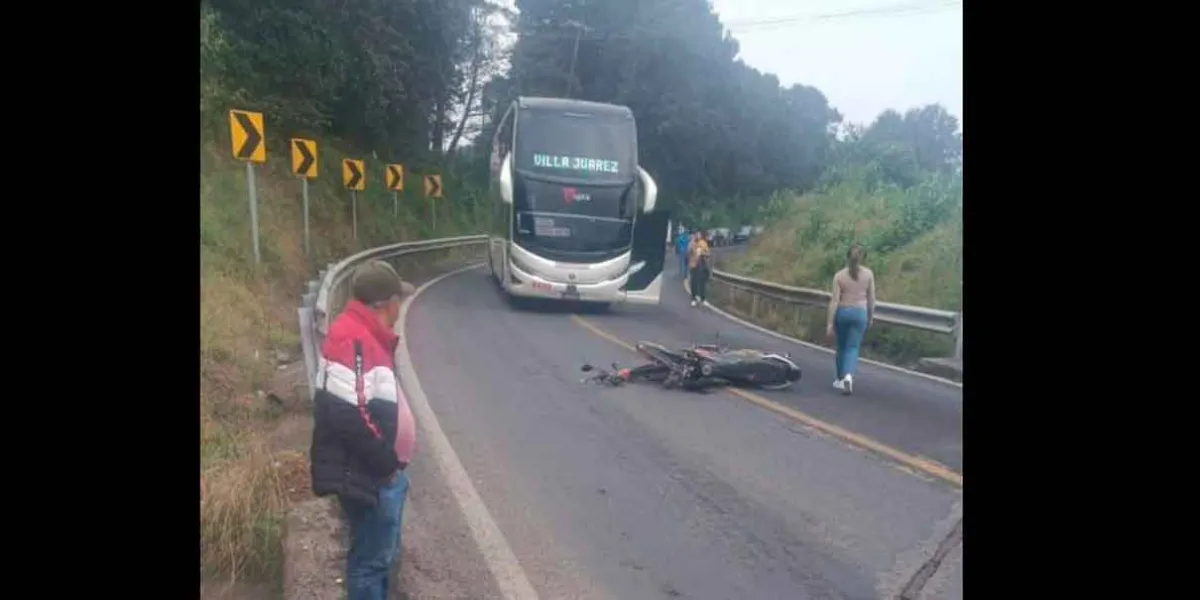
(380, 74)
(895, 186)
(889, 184)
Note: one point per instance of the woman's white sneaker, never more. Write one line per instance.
(838, 385)
(848, 385)
(693, 302)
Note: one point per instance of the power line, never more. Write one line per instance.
(756, 25)
(896, 9)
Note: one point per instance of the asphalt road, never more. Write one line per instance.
(640, 492)
(908, 412)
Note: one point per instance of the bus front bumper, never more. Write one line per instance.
(527, 285)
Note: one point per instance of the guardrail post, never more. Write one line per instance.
(958, 337)
(753, 306)
(308, 342)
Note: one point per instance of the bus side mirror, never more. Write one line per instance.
(650, 188)
(506, 183)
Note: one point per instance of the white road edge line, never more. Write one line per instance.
(506, 570)
(793, 340)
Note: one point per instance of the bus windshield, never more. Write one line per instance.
(576, 146)
(577, 219)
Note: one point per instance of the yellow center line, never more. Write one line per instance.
(922, 464)
(600, 332)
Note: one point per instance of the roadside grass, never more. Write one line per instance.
(914, 245)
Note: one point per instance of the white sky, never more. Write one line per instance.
(864, 63)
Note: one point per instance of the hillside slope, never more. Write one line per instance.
(913, 238)
(249, 331)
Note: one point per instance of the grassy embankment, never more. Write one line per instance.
(248, 317)
(914, 242)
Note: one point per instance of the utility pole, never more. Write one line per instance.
(579, 27)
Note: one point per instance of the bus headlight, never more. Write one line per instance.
(650, 189)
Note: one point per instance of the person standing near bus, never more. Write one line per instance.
(698, 265)
(681, 250)
(851, 312)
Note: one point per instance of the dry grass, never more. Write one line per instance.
(246, 315)
(243, 505)
(241, 513)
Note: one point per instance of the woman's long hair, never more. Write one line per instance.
(854, 258)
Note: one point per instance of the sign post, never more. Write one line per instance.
(433, 189)
(304, 164)
(353, 179)
(395, 182)
(247, 135)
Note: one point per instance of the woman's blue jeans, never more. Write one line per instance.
(849, 324)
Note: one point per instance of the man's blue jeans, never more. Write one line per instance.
(683, 265)
(849, 324)
(374, 542)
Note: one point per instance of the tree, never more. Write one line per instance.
(487, 58)
(380, 74)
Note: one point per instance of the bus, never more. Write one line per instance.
(574, 216)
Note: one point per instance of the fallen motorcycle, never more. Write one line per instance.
(701, 367)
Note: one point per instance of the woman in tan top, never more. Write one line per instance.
(851, 311)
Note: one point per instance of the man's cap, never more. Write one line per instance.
(377, 281)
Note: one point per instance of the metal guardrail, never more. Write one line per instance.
(328, 294)
(914, 317)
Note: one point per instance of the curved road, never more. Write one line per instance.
(639, 492)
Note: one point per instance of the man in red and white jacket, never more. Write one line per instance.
(364, 432)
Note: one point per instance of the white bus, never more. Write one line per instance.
(573, 214)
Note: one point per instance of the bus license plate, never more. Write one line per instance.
(572, 292)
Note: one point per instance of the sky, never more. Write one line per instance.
(864, 55)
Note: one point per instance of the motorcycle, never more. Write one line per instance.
(703, 366)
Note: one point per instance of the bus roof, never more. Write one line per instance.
(568, 105)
